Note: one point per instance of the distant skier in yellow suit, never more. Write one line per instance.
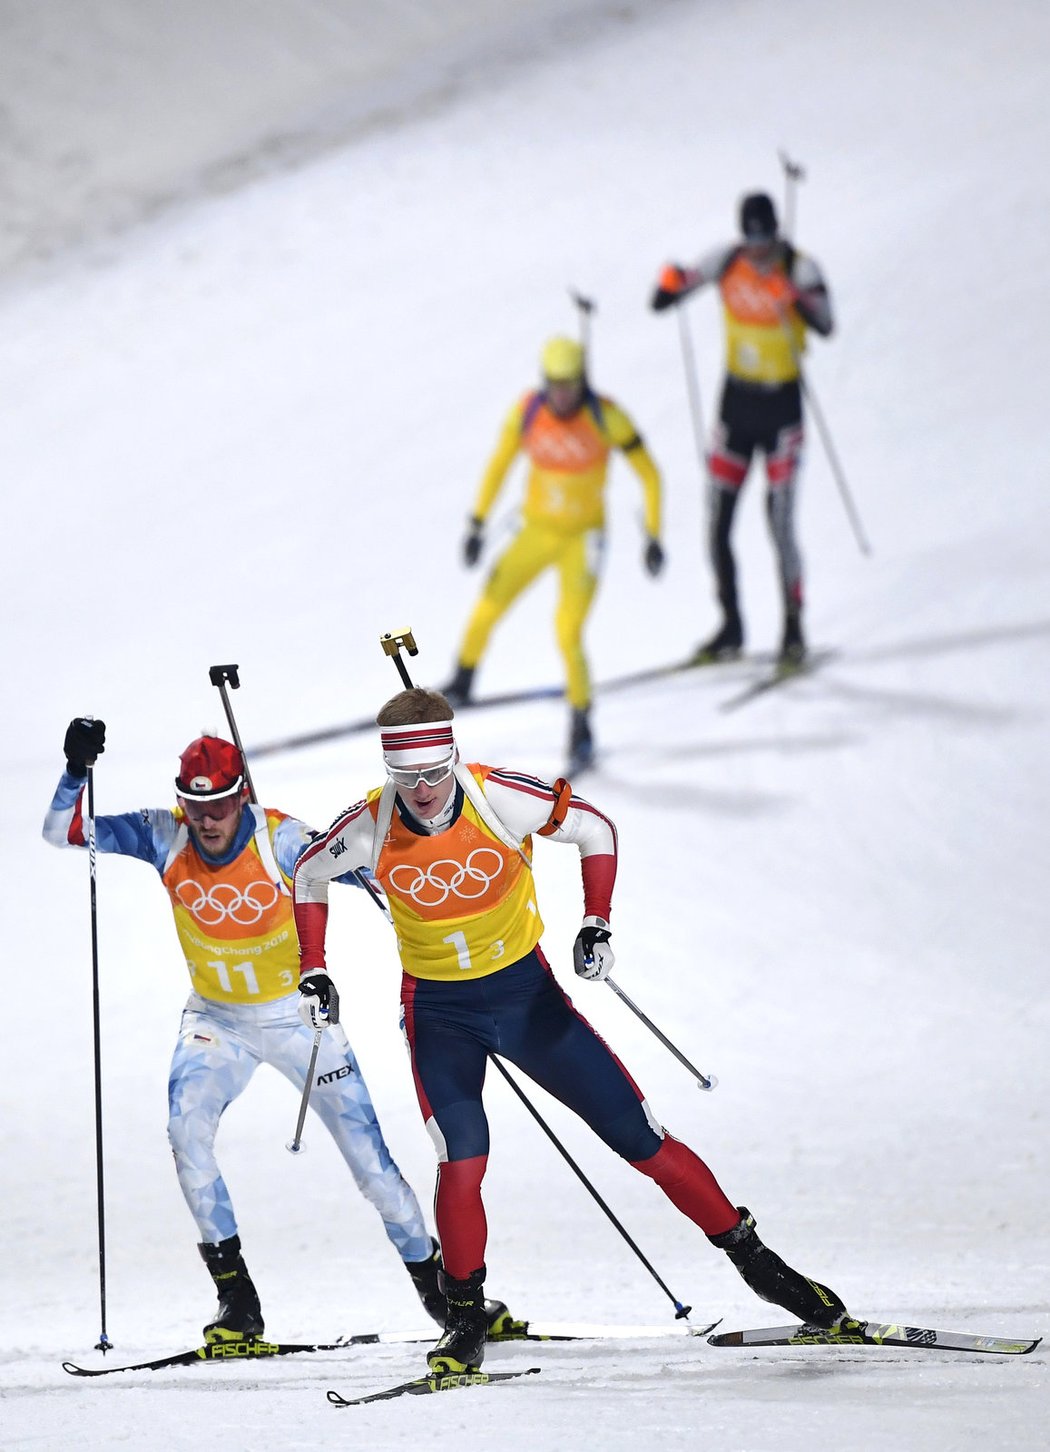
(568, 432)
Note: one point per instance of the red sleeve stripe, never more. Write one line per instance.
(583, 806)
(75, 833)
(532, 785)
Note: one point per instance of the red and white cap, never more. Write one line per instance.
(210, 768)
(430, 743)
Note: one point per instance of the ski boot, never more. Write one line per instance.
(426, 1277)
(726, 643)
(502, 1326)
(793, 645)
(581, 742)
(775, 1281)
(462, 1345)
(239, 1316)
(457, 691)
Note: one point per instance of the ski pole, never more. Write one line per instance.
(793, 173)
(219, 675)
(104, 1343)
(680, 1312)
(391, 643)
(703, 1081)
(692, 387)
(295, 1144)
(585, 306)
(837, 471)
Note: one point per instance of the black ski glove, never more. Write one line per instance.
(654, 556)
(592, 956)
(473, 542)
(85, 741)
(320, 999)
(671, 288)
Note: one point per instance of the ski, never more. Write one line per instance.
(220, 1351)
(872, 1333)
(512, 1330)
(435, 1382)
(780, 675)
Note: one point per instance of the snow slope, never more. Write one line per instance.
(116, 111)
(250, 432)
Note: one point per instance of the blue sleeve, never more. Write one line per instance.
(147, 834)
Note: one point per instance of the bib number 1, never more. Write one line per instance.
(458, 941)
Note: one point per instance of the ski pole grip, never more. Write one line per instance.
(220, 674)
(392, 642)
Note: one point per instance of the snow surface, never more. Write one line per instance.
(250, 432)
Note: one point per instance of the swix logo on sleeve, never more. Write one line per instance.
(337, 848)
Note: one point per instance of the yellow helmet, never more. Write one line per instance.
(562, 360)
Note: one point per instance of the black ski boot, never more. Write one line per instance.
(774, 1280)
(457, 691)
(240, 1316)
(581, 742)
(793, 645)
(428, 1277)
(726, 643)
(502, 1326)
(462, 1345)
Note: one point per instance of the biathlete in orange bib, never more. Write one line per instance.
(451, 844)
(771, 294)
(227, 867)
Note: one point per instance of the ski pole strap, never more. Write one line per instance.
(560, 809)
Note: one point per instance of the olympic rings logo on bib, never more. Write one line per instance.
(211, 905)
(447, 878)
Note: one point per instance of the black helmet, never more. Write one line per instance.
(758, 218)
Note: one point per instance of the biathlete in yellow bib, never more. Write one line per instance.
(227, 866)
(452, 845)
(567, 432)
(771, 295)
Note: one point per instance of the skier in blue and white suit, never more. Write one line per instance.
(227, 866)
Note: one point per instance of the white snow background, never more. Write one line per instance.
(250, 431)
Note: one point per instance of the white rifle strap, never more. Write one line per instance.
(485, 811)
(264, 847)
(384, 812)
(182, 836)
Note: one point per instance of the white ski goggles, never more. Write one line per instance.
(430, 776)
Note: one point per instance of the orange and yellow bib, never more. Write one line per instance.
(463, 903)
(759, 347)
(235, 922)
